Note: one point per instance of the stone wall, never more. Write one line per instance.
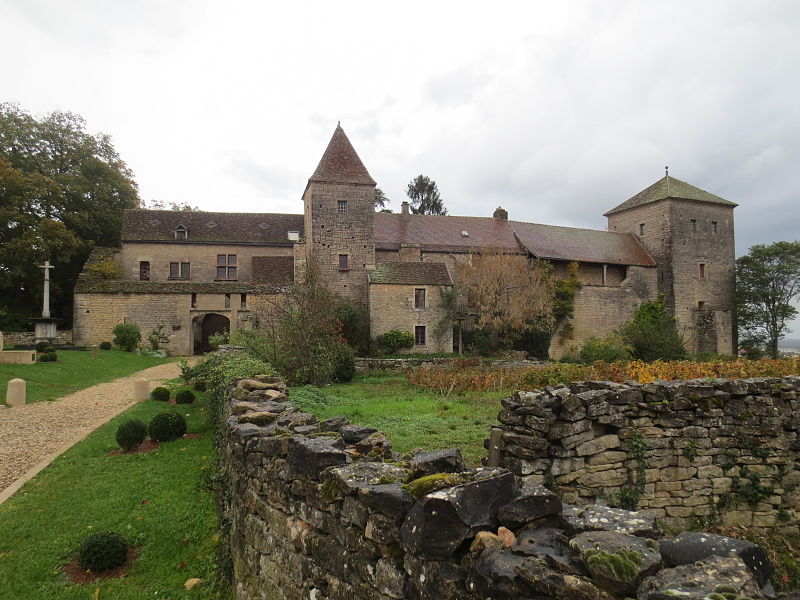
(686, 451)
(27, 338)
(318, 510)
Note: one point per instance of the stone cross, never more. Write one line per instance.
(46, 304)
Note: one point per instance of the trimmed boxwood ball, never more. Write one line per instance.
(184, 397)
(105, 345)
(131, 434)
(48, 357)
(166, 426)
(102, 551)
(40, 346)
(161, 394)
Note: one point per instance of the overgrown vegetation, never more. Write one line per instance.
(127, 336)
(393, 341)
(464, 376)
(652, 334)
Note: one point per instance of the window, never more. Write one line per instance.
(419, 335)
(694, 225)
(419, 298)
(701, 305)
(243, 300)
(226, 267)
(194, 300)
(701, 270)
(144, 270)
(179, 270)
(293, 236)
(343, 262)
(713, 227)
(641, 228)
(227, 300)
(181, 233)
(341, 206)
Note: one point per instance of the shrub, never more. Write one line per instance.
(652, 333)
(40, 346)
(160, 393)
(199, 386)
(344, 363)
(48, 348)
(127, 336)
(394, 340)
(105, 345)
(131, 434)
(184, 397)
(102, 551)
(48, 357)
(609, 349)
(166, 426)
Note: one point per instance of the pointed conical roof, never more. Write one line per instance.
(669, 187)
(340, 163)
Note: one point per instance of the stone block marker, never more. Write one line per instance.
(95, 351)
(15, 393)
(141, 390)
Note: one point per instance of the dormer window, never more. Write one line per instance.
(181, 233)
(293, 236)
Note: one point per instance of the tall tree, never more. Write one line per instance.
(767, 283)
(381, 200)
(425, 197)
(62, 191)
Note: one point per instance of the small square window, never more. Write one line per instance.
(641, 228)
(419, 298)
(701, 305)
(419, 335)
(341, 206)
(694, 225)
(243, 300)
(343, 262)
(713, 227)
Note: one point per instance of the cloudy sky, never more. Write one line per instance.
(557, 111)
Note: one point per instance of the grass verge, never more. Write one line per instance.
(74, 371)
(157, 501)
(410, 417)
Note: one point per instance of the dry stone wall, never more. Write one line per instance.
(28, 338)
(319, 510)
(688, 452)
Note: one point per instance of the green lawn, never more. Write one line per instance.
(155, 500)
(410, 417)
(74, 371)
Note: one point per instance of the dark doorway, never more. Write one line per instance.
(209, 325)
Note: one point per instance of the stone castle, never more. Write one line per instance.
(198, 273)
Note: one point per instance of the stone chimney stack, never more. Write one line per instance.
(404, 209)
(500, 213)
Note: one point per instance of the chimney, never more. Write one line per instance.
(500, 213)
(404, 209)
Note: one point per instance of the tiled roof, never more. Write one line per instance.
(235, 228)
(436, 233)
(413, 273)
(443, 233)
(340, 163)
(116, 286)
(584, 245)
(669, 187)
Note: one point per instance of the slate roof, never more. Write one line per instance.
(236, 228)
(669, 187)
(413, 273)
(437, 233)
(340, 163)
(116, 286)
(584, 245)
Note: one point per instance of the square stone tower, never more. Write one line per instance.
(689, 233)
(339, 202)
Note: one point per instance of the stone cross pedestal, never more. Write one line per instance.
(45, 326)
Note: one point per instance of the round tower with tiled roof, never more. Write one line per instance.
(689, 232)
(339, 204)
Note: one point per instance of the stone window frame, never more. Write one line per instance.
(243, 300)
(344, 265)
(144, 270)
(226, 267)
(714, 227)
(181, 233)
(417, 304)
(179, 270)
(227, 300)
(641, 228)
(702, 272)
(420, 335)
(341, 206)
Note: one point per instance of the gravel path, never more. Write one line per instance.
(31, 433)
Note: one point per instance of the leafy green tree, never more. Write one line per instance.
(652, 334)
(381, 200)
(425, 197)
(62, 191)
(767, 283)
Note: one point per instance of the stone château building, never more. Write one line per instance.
(198, 273)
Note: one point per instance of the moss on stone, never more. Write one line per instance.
(622, 564)
(438, 481)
